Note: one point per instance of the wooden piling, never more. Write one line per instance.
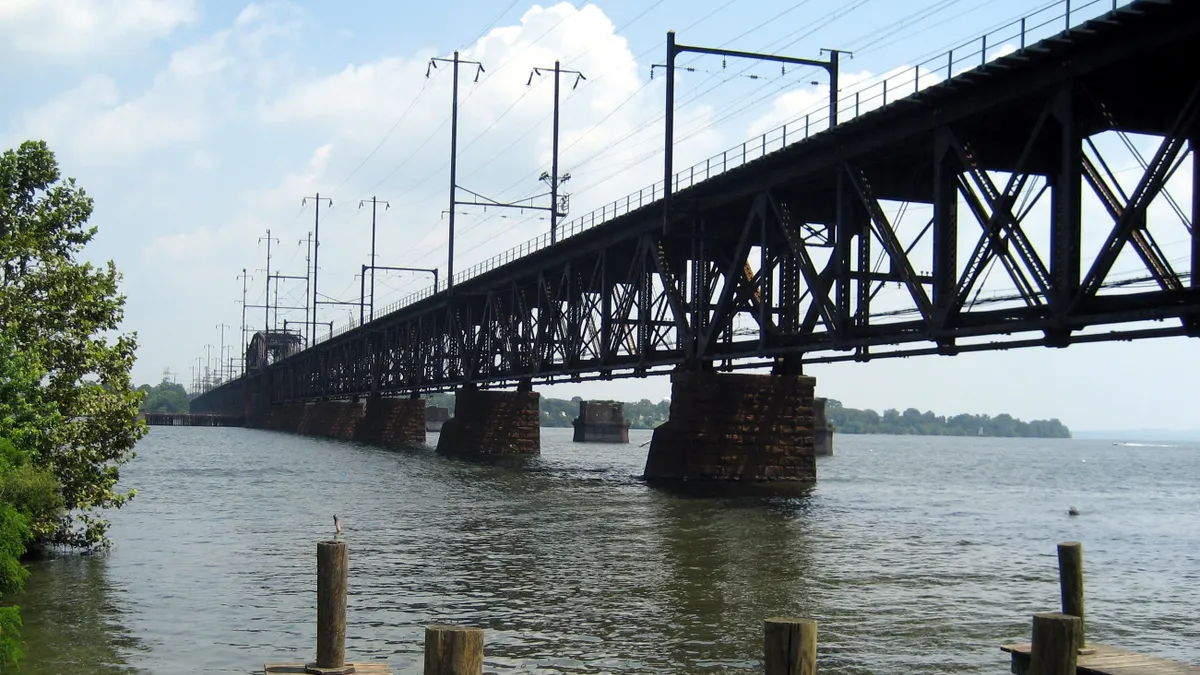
(453, 650)
(1070, 583)
(789, 647)
(332, 567)
(1055, 644)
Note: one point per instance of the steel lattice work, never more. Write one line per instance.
(1041, 185)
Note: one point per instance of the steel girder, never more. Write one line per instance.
(803, 256)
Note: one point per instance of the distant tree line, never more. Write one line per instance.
(558, 412)
(165, 397)
(914, 422)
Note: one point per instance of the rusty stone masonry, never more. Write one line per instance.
(492, 423)
(381, 421)
(735, 426)
(393, 421)
(602, 422)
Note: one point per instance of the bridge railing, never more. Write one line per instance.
(1052, 19)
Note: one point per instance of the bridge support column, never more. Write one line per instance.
(822, 432)
(735, 426)
(257, 400)
(492, 423)
(392, 421)
(601, 422)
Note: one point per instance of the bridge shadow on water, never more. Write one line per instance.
(796, 496)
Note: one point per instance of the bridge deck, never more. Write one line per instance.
(783, 256)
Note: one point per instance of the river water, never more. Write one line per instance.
(916, 555)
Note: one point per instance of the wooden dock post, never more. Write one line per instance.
(332, 569)
(1070, 583)
(453, 650)
(789, 647)
(1055, 644)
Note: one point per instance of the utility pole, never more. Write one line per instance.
(244, 277)
(221, 356)
(307, 267)
(208, 367)
(199, 375)
(453, 153)
(374, 204)
(554, 181)
(267, 311)
(675, 49)
(316, 248)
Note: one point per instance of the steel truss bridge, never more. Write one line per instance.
(1025, 181)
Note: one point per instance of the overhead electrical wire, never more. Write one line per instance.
(913, 18)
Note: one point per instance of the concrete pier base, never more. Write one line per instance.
(601, 422)
(492, 423)
(734, 426)
(822, 432)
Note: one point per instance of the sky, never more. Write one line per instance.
(199, 126)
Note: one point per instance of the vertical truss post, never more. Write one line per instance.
(645, 281)
(945, 226)
(1194, 142)
(1066, 202)
(1193, 324)
(606, 310)
(764, 276)
(789, 290)
(843, 230)
(699, 289)
(574, 294)
(862, 304)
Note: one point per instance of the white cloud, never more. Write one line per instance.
(202, 245)
(94, 122)
(504, 135)
(81, 28)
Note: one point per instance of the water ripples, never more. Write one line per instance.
(915, 554)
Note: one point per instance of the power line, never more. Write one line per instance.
(383, 140)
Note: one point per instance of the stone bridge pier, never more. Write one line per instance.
(822, 432)
(736, 426)
(601, 422)
(493, 422)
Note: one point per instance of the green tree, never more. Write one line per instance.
(61, 312)
(29, 494)
(165, 397)
(912, 421)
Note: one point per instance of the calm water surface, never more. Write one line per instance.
(917, 555)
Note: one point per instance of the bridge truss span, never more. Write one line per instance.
(1044, 199)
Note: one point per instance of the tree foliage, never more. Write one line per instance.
(557, 412)
(643, 414)
(914, 422)
(60, 312)
(30, 497)
(165, 397)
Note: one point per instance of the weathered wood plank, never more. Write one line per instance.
(1106, 660)
(376, 668)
